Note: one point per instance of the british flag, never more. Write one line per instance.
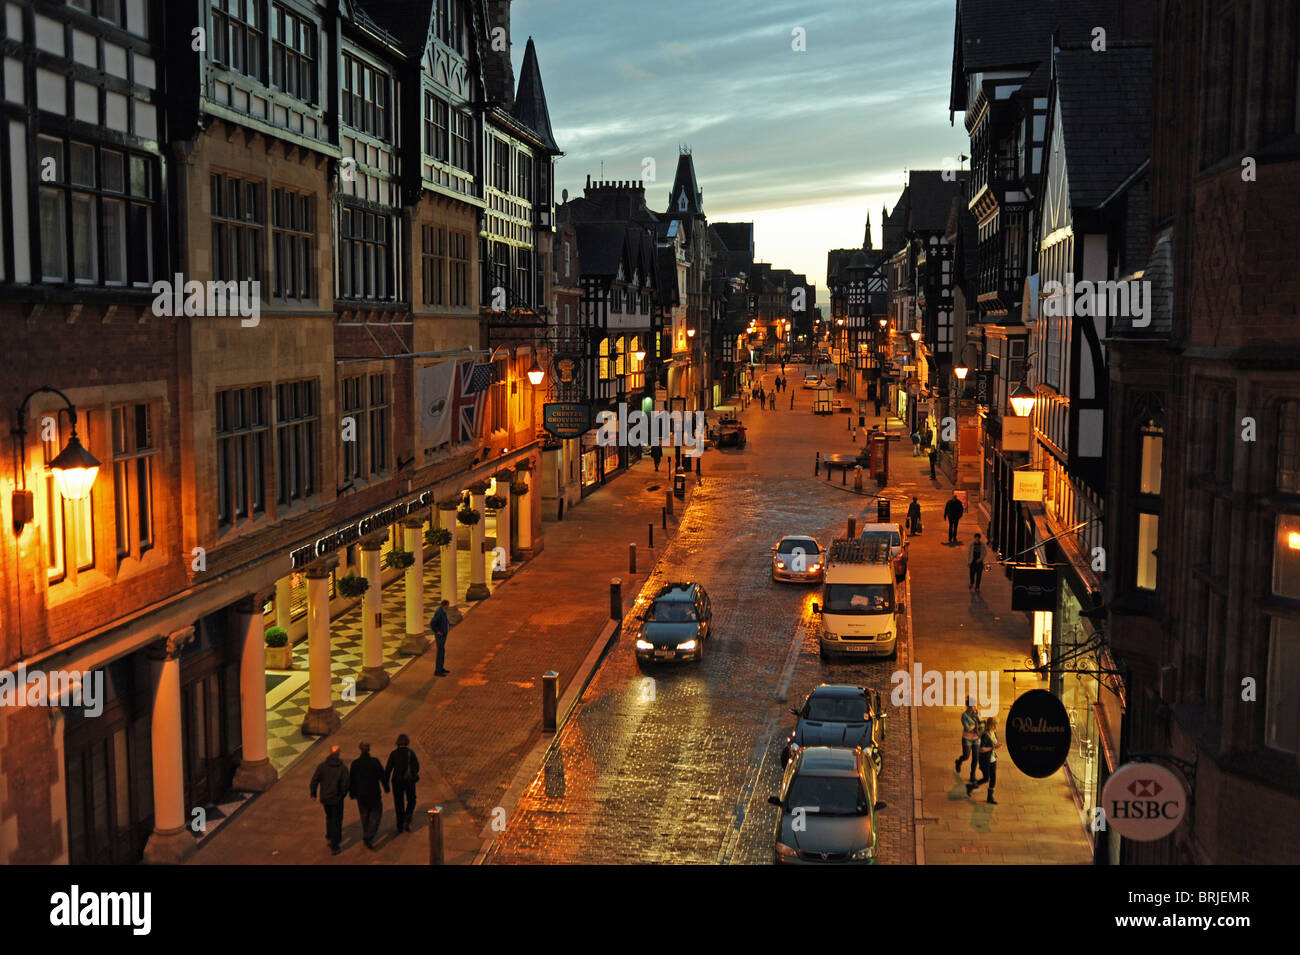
(472, 383)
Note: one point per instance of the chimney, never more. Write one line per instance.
(498, 73)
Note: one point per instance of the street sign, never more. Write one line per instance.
(1143, 801)
(1027, 486)
(1034, 588)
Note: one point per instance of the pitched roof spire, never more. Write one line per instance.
(530, 100)
(686, 199)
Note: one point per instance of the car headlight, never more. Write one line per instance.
(786, 852)
(794, 747)
(868, 853)
(644, 645)
(688, 645)
(815, 567)
(780, 564)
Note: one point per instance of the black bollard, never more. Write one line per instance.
(435, 836)
(650, 529)
(616, 598)
(631, 558)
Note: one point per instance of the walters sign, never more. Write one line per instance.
(351, 533)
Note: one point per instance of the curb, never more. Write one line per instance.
(918, 786)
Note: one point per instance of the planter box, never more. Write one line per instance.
(279, 658)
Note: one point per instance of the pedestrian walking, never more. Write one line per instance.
(916, 444)
(440, 624)
(365, 778)
(877, 401)
(762, 398)
(934, 455)
(971, 724)
(952, 512)
(975, 558)
(331, 781)
(792, 401)
(989, 747)
(927, 437)
(656, 455)
(402, 772)
(914, 517)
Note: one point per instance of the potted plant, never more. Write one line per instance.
(494, 502)
(468, 516)
(353, 585)
(437, 537)
(279, 652)
(398, 559)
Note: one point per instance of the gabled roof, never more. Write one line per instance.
(685, 199)
(930, 197)
(601, 246)
(530, 100)
(1105, 104)
(736, 236)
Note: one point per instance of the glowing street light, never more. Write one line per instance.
(535, 374)
(1022, 399)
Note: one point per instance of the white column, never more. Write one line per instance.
(415, 642)
(170, 842)
(283, 597)
(503, 525)
(321, 719)
(255, 772)
(525, 518)
(478, 589)
(373, 675)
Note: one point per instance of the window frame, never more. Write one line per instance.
(134, 463)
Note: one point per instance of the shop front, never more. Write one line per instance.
(592, 454)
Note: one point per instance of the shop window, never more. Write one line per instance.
(69, 525)
(296, 425)
(1282, 694)
(1286, 557)
(134, 453)
(1288, 447)
(241, 433)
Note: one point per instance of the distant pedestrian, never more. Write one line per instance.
(439, 625)
(989, 747)
(365, 778)
(914, 517)
(916, 444)
(970, 738)
(792, 401)
(927, 438)
(762, 398)
(656, 455)
(952, 512)
(402, 772)
(877, 401)
(331, 781)
(975, 558)
(933, 457)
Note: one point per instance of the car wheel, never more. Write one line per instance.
(893, 654)
(785, 757)
(879, 759)
(826, 657)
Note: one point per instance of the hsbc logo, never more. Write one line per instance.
(1145, 787)
(1142, 801)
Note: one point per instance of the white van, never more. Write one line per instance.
(861, 600)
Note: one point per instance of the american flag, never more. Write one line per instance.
(472, 383)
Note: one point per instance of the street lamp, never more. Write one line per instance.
(960, 371)
(640, 354)
(1022, 399)
(535, 373)
(690, 333)
(916, 337)
(74, 469)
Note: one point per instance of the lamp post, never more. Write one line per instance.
(74, 468)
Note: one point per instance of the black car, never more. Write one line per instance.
(676, 624)
(839, 715)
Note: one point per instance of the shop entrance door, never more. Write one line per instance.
(107, 822)
(201, 719)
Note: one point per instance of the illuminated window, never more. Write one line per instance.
(604, 359)
(620, 366)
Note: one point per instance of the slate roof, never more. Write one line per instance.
(408, 21)
(930, 198)
(530, 99)
(1105, 103)
(736, 236)
(684, 181)
(600, 246)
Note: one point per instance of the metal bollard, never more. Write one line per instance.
(853, 528)
(631, 558)
(857, 479)
(616, 598)
(817, 465)
(561, 517)
(435, 836)
(650, 529)
(550, 688)
(697, 465)
(668, 496)
(663, 515)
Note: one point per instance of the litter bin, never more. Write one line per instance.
(882, 511)
(679, 485)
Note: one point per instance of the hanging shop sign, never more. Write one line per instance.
(1038, 733)
(1015, 436)
(1034, 588)
(1143, 801)
(566, 419)
(1026, 486)
(351, 533)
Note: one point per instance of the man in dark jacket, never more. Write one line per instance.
(439, 625)
(402, 773)
(952, 512)
(331, 779)
(914, 517)
(933, 456)
(366, 776)
(656, 455)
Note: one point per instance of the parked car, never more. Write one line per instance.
(676, 624)
(811, 380)
(797, 558)
(861, 600)
(839, 715)
(828, 800)
(898, 544)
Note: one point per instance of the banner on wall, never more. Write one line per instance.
(433, 392)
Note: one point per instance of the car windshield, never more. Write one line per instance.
(672, 611)
(859, 598)
(788, 546)
(891, 536)
(827, 796)
(837, 709)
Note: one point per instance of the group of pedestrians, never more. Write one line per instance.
(979, 742)
(363, 781)
(767, 399)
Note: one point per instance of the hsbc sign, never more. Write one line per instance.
(1143, 802)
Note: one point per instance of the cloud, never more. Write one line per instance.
(677, 54)
(630, 72)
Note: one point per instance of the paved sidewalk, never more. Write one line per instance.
(472, 728)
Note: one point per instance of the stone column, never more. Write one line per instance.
(415, 642)
(447, 558)
(171, 841)
(503, 525)
(478, 589)
(373, 675)
(321, 719)
(283, 596)
(255, 773)
(525, 549)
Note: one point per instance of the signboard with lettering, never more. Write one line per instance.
(1034, 588)
(566, 419)
(1038, 733)
(1015, 433)
(985, 383)
(1027, 486)
(1143, 801)
(351, 533)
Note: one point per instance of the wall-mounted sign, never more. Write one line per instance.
(1026, 485)
(1143, 801)
(565, 368)
(566, 419)
(1034, 588)
(1015, 435)
(985, 383)
(1038, 733)
(351, 533)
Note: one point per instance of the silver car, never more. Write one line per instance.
(798, 558)
(828, 805)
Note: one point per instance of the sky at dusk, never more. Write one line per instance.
(804, 144)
